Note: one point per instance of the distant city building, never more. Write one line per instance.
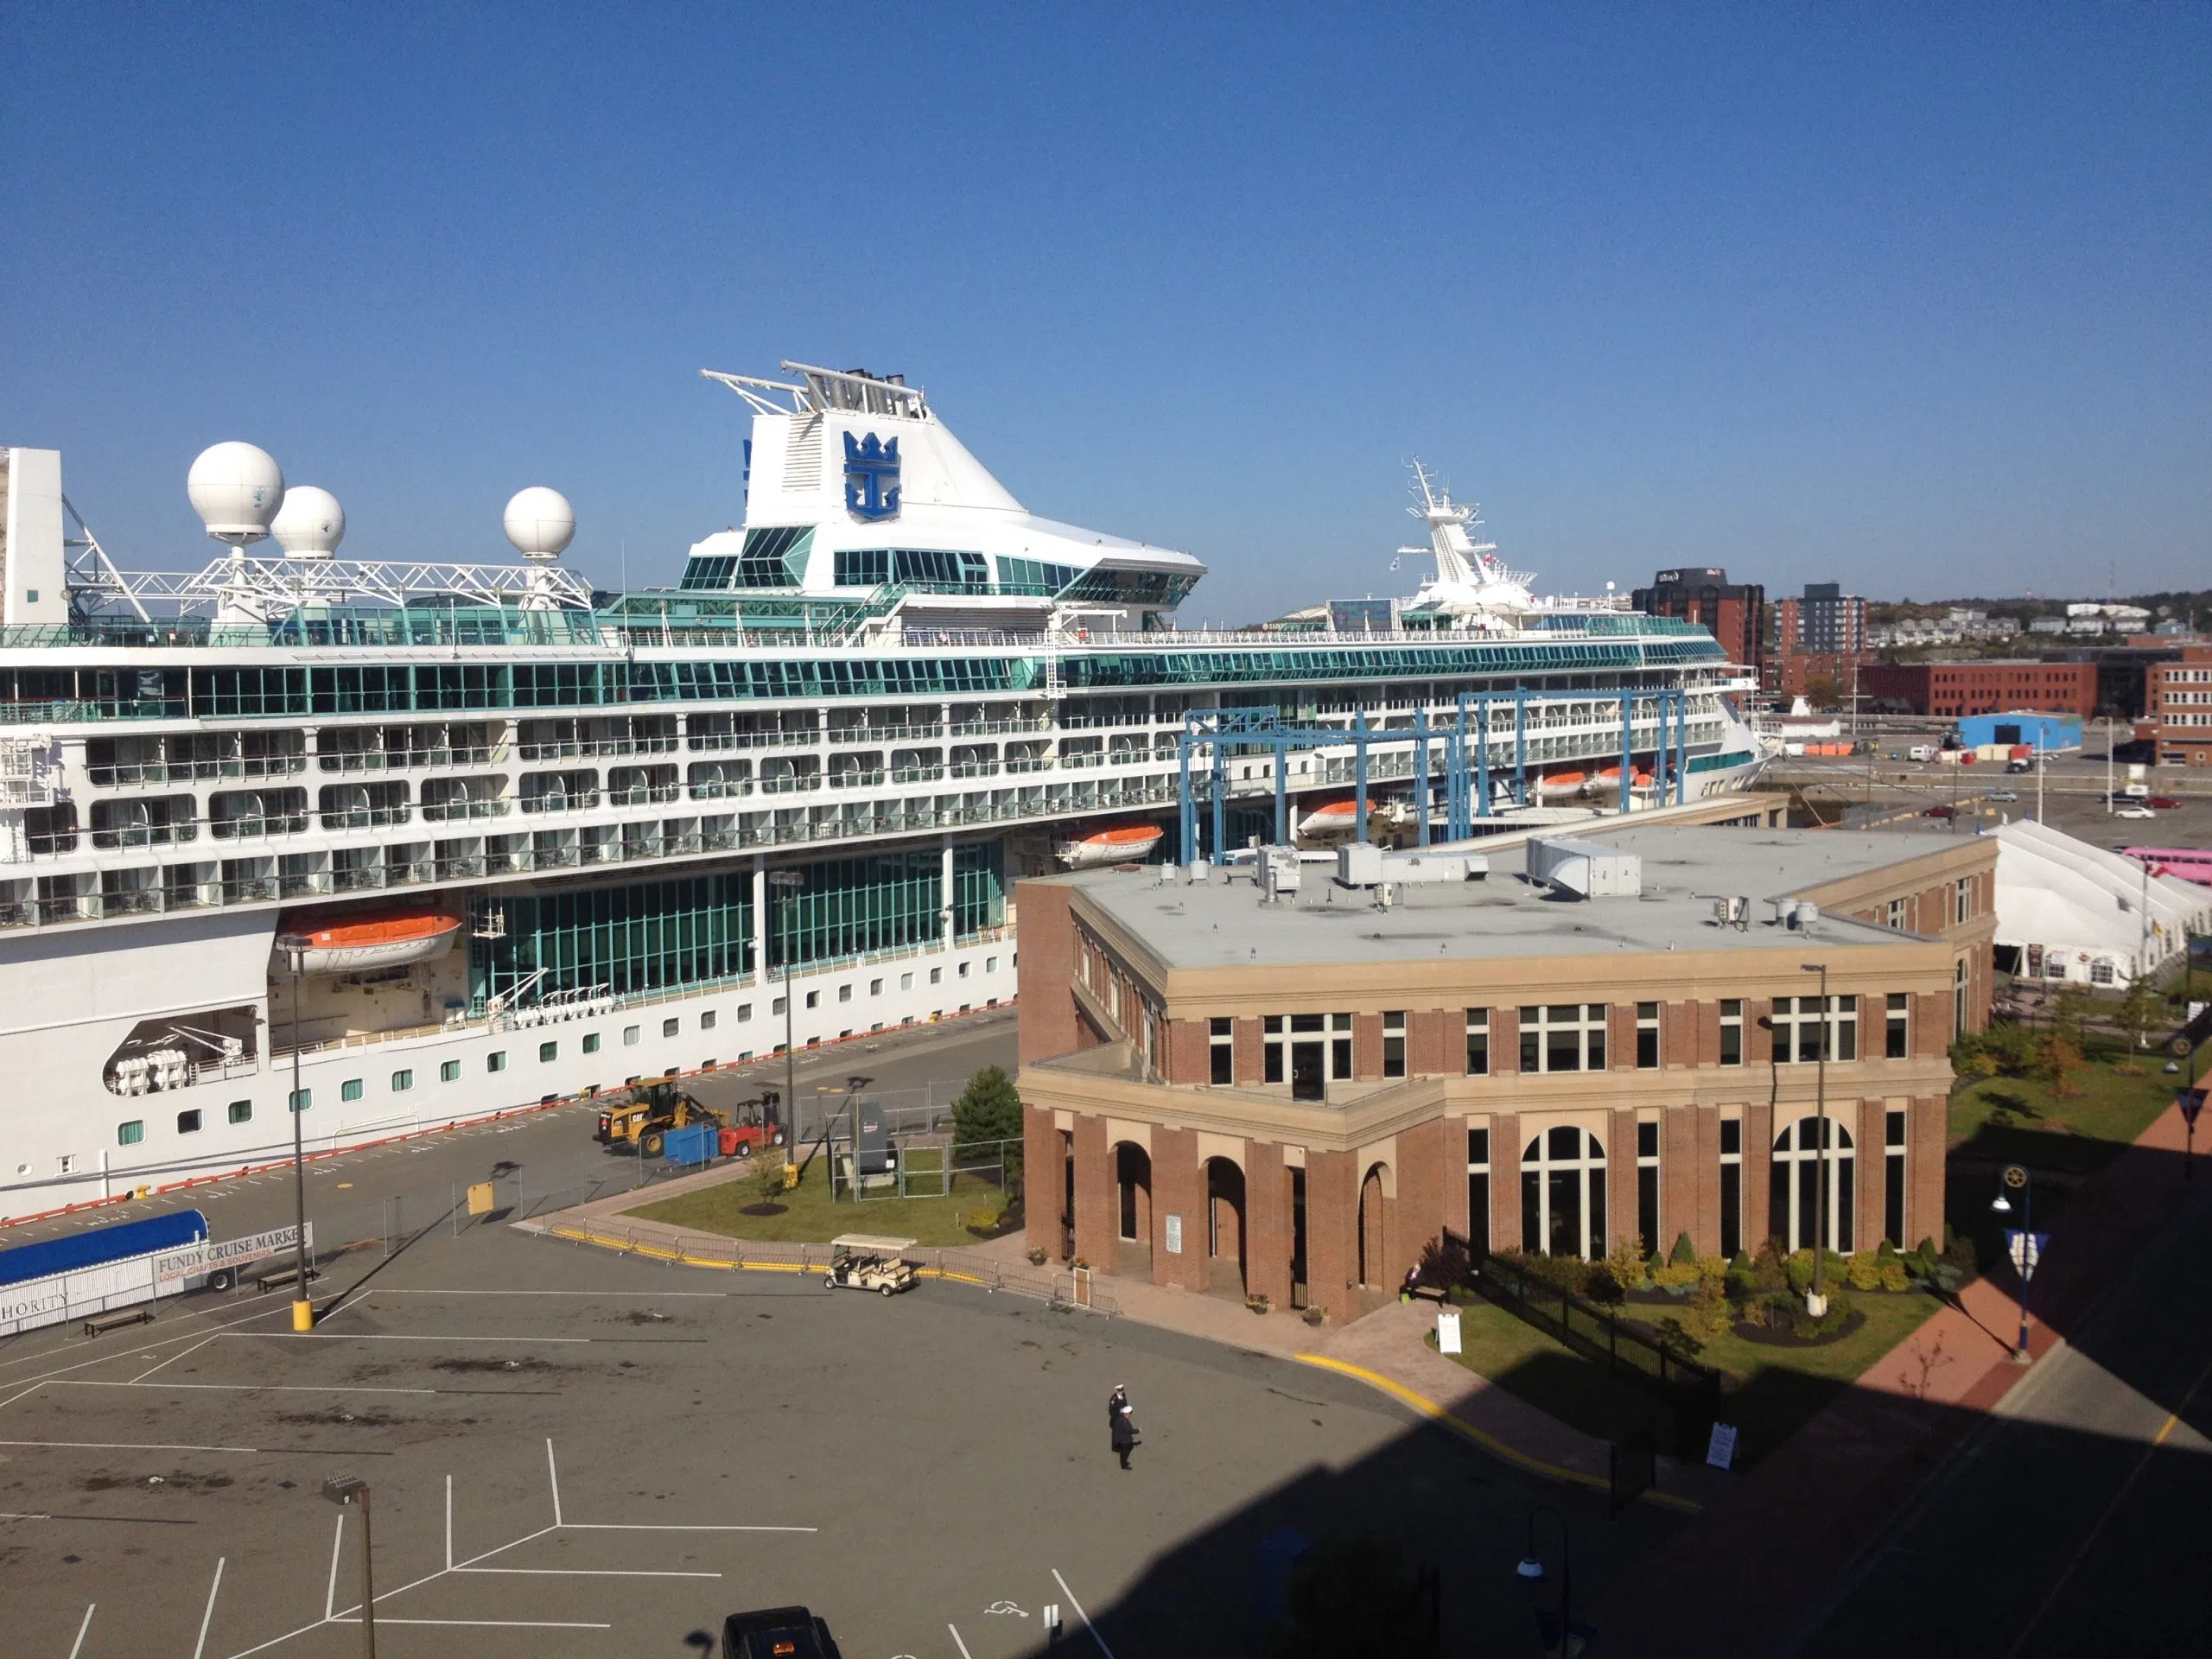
(1825, 620)
(1799, 673)
(1733, 613)
(2177, 713)
(1983, 688)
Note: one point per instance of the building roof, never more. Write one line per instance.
(2059, 892)
(1224, 924)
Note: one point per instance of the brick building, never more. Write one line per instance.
(1294, 1098)
(1795, 674)
(1825, 621)
(1732, 613)
(2177, 712)
(1983, 688)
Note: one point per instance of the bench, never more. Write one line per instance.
(279, 1276)
(101, 1324)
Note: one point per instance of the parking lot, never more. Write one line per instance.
(575, 1452)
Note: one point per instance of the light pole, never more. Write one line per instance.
(788, 882)
(2018, 1179)
(294, 947)
(344, 1489)
(1816, 1302)
(1531, 1569)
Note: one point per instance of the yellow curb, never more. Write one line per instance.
(663, 1253)
(1490, 1444)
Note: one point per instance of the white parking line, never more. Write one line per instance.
(78, 1646)
(958, 1643)
(633, 1295)
(1080, 1614)
(200, 1646)
(173, 1359)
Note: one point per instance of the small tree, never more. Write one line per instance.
(2142, 1012)
(988, 1112)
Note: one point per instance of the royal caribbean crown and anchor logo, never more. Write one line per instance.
(871, 477)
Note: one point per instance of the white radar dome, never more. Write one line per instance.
(235, 488)
(310, 524)
(540, 522)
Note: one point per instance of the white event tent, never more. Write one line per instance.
(2070, 912)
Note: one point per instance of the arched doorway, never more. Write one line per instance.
(1133, 1193)
(1225, 1215)
(1374, 1197)
(1563, 1194)
(1794, 1194)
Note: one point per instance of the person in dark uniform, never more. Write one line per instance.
(1123, 1423)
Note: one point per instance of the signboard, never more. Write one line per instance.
(1174, 1235)
(480, 1201)
(179, 1270)
(1720, 1450)
(1447, 1332)
(2192, 1102)
(2025, 1249)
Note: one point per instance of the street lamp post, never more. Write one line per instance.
(2018, 1179)
(343, 1491)
(1816, 1301)
(784, 882)
(1531, 1569)
(295, 948)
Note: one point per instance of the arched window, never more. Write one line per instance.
(1563, 1194)
(1796, 1192)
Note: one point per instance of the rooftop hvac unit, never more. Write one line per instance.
(1584, 869)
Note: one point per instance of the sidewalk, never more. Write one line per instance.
(1763, 1554)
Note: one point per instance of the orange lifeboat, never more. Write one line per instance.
(1555, 784)
(1332, 817)
(1128, 843)
(364, 941)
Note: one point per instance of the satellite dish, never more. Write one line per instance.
(310, 524)
(540, 523)
(236, 489)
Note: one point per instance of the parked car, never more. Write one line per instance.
(2135, 812)
(1940, 812)
(2002, 795)
(777, 1633)
(2163, 803)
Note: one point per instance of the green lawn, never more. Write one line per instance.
(1774, 1389)
(809, 1216)
(1995, 1120)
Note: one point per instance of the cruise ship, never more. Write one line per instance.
(464, 838)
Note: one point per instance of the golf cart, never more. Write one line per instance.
(863, 1262)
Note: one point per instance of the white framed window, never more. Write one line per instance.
(844, 993)
(706, 1019)
(1647, 1185)
(1563, 1037)
(1731, 1031)
(1897, 914)
(1959, 1000)
(1897, 1029)
(2101, 972)
(630, 1035)
(1795, 1191)
(130, 1134)
(188, 1122)
(1477, 1043)
(1220, 1050)
(1394, 1043)
(1563, 1194)
(1797, 1024)
(1340, 1047)
(1962, 899)
(1647, 1036)
(1893, 1150)
(670, 1026)
(1731, 1186)
(401, 1082)
(1478, 1188)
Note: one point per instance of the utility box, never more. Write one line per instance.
(694, 1143)
(1359, 864)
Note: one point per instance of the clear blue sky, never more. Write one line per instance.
(1919, 301)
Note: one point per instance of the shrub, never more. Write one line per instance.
(1766, 1272)
(1894, 1276)
(1674, 1276)
(1706, 1316)
(1885, 1251)
(1803, 1325)
(1444, 1263)
(1864, 1273)
(1684, 1254)
(1626, 1262)
(1602, 1285)
(988, 1111)
(1568, 1273)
